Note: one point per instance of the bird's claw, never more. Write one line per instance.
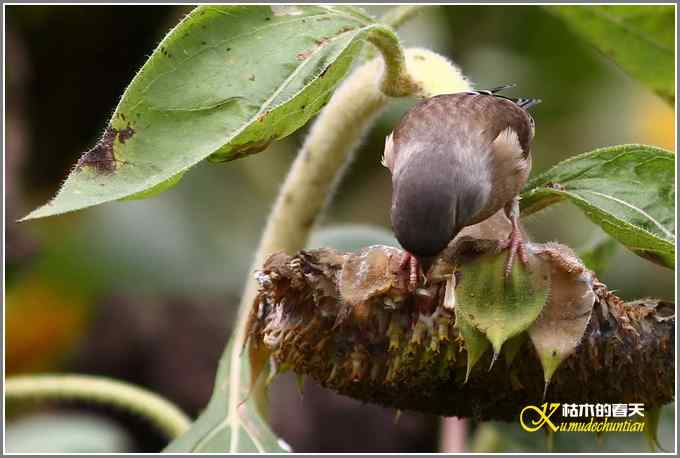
(411, 264)
(515, 242)
(516, 246)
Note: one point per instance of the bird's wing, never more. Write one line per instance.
(506, 146)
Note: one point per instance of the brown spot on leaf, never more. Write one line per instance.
(125, 134)
(251, 78)
(101, 156)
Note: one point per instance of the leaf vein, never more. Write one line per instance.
(634, 208)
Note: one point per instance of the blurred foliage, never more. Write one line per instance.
(66, 433)
(351, 237)
(598, 253)
(639, 38)
(218, 428)
(196, 240)
(57, 318)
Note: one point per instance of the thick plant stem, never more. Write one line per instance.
(168, 418)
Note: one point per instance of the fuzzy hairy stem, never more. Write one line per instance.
(396, 80)
(168, 418)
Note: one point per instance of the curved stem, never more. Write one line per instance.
(99, 390)
(396, 81)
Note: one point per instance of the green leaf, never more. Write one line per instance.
(212, 431)
(224, 83)
(158, 189)
(561, 325)
(475, 342)
(628, 190)
(497, 306)
(641, 39)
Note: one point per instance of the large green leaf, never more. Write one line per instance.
(628, 190)
(562, 322)
(641, 39)
(224, 83)
(501, 307)
(476, 343)
(214, 429)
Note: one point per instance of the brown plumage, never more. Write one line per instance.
(455, 160)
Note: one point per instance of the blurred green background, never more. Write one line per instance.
(145, 291)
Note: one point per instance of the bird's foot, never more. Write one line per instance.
(516, 246)
(411, 264)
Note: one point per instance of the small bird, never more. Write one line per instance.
(456, 159)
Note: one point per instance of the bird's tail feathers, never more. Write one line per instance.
(526, 103)
(523, 102)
